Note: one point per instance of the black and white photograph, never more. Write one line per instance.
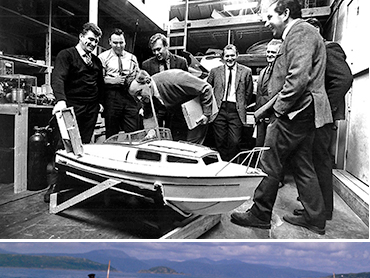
(184, 120)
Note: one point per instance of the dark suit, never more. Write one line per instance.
(152, 65)
(338, 80)
(261, 98)
(174, 119)
(231, 117)
(177, 87)
(301, 106)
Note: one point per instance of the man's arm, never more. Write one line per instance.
(338, 75)
(135, 70)
(299, 52)
(249, 88)
(211, 77)
(59, 75)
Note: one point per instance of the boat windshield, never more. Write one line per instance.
(140, 136)
(209, 159)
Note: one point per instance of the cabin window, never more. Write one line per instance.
(209, 159)
(178, 159)
(145, 155)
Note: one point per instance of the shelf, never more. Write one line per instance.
(29, 63)
(30, 19)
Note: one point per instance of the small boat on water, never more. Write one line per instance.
(189, 178)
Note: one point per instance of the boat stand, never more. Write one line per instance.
(55, 207)
(184, 228)
(194, 227)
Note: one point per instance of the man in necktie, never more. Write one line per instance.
(163, 60)
(120, 68)
(262, 95)
(299, 108)
(232, 97)
(77, 82)
(88, 60)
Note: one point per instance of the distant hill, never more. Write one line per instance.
(233, 268)
(160, 270)
(351, 275)
(119, 259)
(50, 262)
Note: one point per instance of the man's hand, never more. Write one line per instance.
(115, 80)
(202, 120)
(101, 108)
(60, 105)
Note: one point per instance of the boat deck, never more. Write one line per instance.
(118, 216)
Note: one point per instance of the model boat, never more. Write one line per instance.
(190, 178)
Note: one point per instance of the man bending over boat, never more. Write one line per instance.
(171, 88)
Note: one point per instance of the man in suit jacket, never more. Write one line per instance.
(171, 88)
(301, 106)
(262, 95)
(233, 88)
(338, 80)
(163, 60)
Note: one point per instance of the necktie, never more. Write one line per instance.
(120, 67)
(88, 60)
(229, 83)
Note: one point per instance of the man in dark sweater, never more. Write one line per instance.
(77, 80)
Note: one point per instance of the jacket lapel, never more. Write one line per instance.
(237, 76)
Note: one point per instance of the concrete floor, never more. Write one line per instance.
(26, 216)
(344, 225)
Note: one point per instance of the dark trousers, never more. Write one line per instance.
(121, 111)
(261, 133)
(227, 128)
(293, 138)
(323, 163)
(175, 121)
(198, 134)
(86, 117)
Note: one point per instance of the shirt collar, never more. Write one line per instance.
(114, 53)
(288, 27)
(80, 50)
(233, 68)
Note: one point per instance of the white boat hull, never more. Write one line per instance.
(189, 188)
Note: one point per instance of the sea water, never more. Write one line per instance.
(50, 273)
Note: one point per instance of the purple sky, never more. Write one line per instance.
(332, 257)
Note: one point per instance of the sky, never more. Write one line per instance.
(332, 257)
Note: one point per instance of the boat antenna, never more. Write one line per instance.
(108, 269)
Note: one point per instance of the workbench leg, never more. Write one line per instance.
(55, 208)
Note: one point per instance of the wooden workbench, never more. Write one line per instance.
(17, 122)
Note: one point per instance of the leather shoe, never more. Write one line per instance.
(300, 221)
(247, 219)
(328, 215)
